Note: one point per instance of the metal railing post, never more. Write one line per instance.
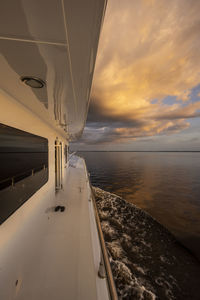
(12, 179)
(102, 271)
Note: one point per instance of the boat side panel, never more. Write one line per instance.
(23, 232)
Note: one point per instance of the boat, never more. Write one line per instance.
(51, 243)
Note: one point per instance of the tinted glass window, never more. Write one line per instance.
(23, 167)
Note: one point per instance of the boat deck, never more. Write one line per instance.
(65, 263)
(67, 267)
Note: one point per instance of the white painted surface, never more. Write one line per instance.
(43, 254)
(51, 254)
(55, 40)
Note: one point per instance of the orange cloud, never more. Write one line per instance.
(149, 50)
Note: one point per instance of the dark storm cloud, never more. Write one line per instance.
(99, 117)
(102, 128)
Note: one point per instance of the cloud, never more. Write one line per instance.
(103, 129)
(148, 50)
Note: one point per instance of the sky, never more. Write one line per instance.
(146, 85)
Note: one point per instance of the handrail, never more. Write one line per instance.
(111, 283)
(12, 179)
(71, 154)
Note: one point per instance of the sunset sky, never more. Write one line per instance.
(146, 87)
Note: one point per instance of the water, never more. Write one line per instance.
(165, 184)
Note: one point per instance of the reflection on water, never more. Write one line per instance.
(165, 184)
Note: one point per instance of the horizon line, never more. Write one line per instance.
(137, 150)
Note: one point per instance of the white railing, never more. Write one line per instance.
(105, 259)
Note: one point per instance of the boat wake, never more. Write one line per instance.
(146, 260)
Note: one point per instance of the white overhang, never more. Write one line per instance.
(56, 41)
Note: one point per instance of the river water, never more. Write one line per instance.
(165, 184)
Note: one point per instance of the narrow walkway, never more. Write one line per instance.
(65, 266)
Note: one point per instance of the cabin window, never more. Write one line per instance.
(24, 167)
(58, 165)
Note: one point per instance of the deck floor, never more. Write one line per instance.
(65, 268)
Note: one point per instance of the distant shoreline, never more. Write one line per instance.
(135, 151)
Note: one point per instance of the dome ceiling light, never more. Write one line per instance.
(33, 82)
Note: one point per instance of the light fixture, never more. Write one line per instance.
(33, 82)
